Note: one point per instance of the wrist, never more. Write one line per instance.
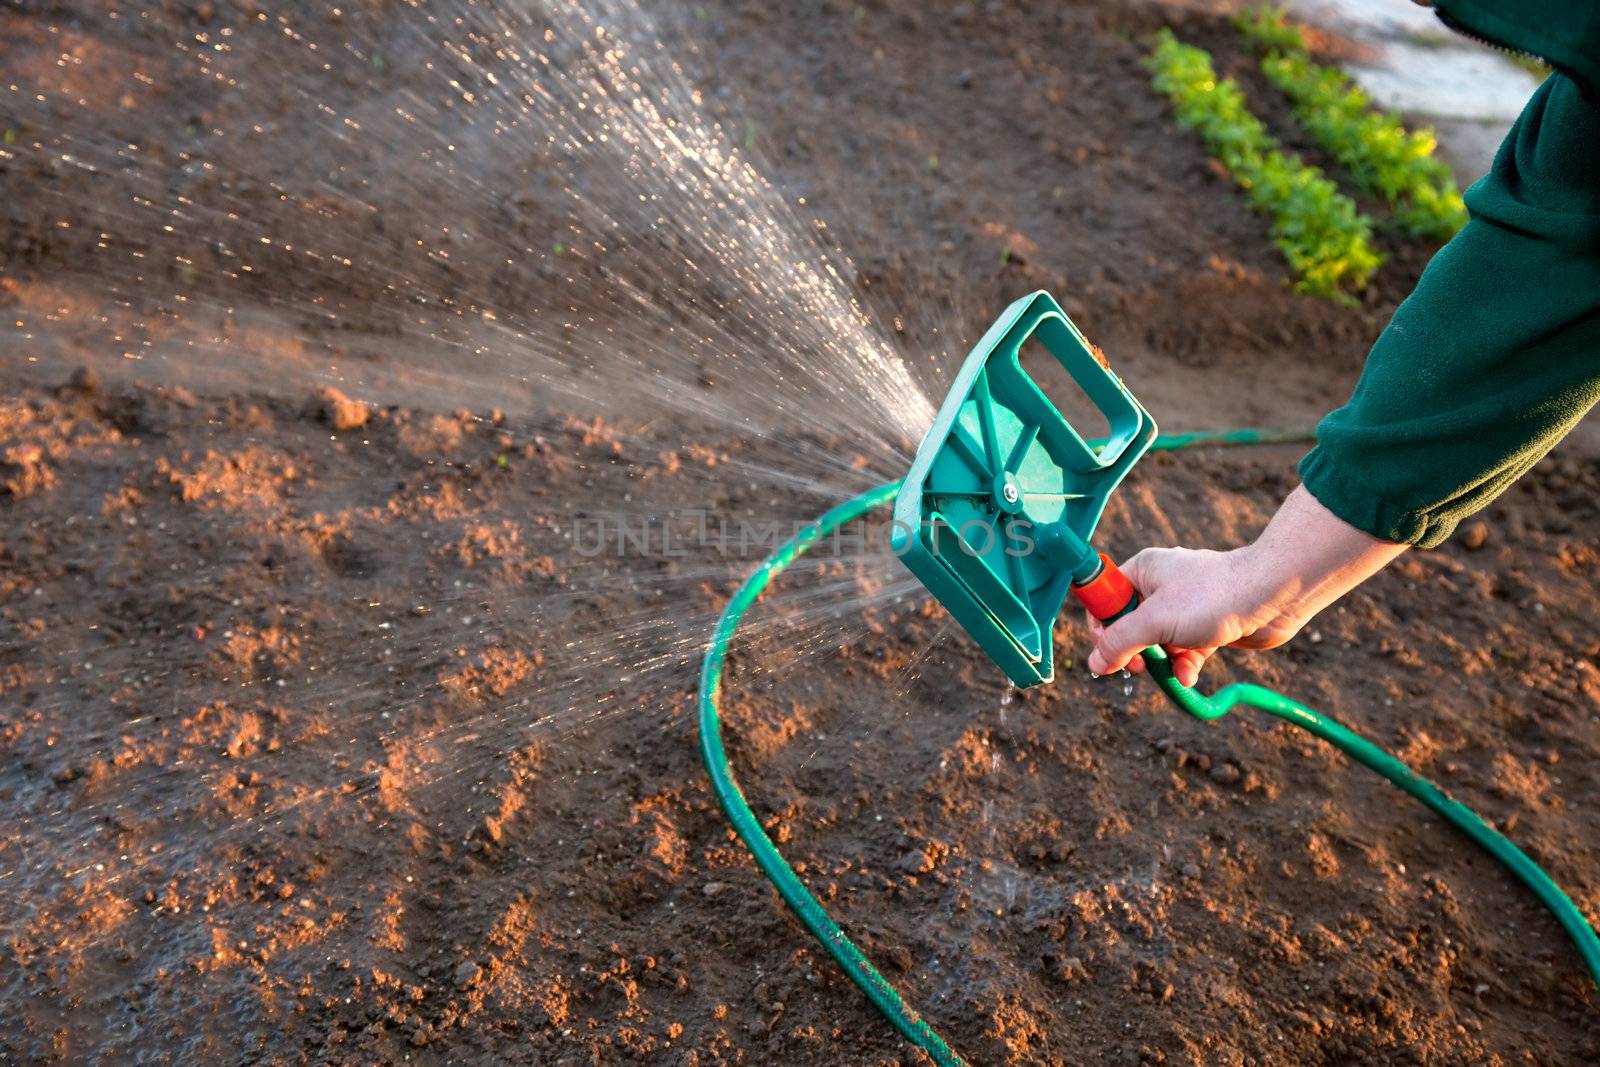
(1308, 557)
(1266, 586)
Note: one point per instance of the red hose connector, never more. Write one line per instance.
(1108, 595)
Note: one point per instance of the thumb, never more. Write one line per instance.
(1124, 639)
(1136, 631)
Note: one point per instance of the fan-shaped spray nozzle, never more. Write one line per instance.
(998, 511)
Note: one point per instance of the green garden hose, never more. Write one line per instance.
(812, 915)
(1370, 755)
(815, 918)
(1171, 442)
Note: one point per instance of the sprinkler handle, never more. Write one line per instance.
(1107, 595)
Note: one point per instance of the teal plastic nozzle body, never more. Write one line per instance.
(998, 512)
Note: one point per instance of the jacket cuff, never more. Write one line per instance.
(1366, 510)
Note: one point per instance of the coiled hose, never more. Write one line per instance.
(815, 918)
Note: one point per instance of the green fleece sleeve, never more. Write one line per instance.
(1496, 354)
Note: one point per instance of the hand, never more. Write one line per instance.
(1193, 601)
(1259, 596)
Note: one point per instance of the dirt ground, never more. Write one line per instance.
(313, 749)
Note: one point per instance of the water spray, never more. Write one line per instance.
(996, 518)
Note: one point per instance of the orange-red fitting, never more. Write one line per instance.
(1108, 595)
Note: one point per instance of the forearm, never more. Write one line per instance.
(1305, 559)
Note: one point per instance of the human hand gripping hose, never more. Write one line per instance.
(1000, 453)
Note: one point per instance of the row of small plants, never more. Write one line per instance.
(1320, 231)
(1382, 156)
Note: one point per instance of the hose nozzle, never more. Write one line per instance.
(1106, 594)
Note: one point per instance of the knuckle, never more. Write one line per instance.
(1140, 566)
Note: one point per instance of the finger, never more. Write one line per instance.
(1268, 637)
(1186, 663)
(1095, 629)
(1144, 569)
(1133, 666)
(1119, 653)
(1126, 638)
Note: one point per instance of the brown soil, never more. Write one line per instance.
(313, 746)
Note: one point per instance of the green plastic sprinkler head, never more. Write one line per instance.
(997, 514)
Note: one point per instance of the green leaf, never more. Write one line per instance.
(1319, 230)
(1381, 156)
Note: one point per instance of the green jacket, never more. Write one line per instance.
(1496, 354)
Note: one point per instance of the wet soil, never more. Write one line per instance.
(306, 754)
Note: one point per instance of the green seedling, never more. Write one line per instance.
(1383, 158)
(1268, 29)
(1319, 230)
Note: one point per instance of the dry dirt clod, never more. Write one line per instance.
(85, 380)
(1226, 774)
(1474, 535)
(24, 472)
(339, 411)
(916, 862)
